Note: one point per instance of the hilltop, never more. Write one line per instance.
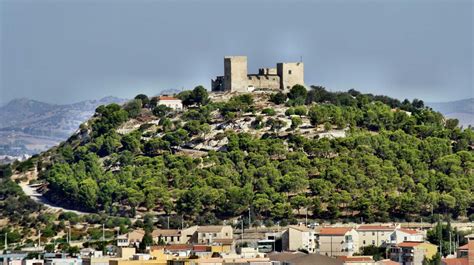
(332, 155)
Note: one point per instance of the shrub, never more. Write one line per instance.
(269, 112)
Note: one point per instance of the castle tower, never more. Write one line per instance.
(235, 73)
(290, 74)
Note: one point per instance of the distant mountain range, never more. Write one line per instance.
(463, 110)
(29, 126)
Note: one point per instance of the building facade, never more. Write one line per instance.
(375, 235)
(412, 253)
(299, 238)
(403, 234)
(338, 241)
(170, 102)
(237, 79)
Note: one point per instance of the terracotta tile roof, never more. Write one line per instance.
(464, 247)
(167, 98)
(376, 227)
(355, 258)
(178, 247)
(409, 231)
(409, 244)
(455, 261)
(201, 248)
(388, 262)
(337, 231)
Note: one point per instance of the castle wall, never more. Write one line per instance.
(235, 73)
(264, 81)
(291, 74)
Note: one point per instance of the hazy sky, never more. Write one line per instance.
(67, 51)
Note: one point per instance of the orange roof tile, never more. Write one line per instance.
(464, 247)
(455, 261)
(178, 247)
(376, 227)
(355, 258)
(201, 248)
(409, 244)
(337, 231)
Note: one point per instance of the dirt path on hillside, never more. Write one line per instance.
(32, 192)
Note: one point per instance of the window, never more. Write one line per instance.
(363, 242)
(289, 72)
(373, 242)
(373, 233)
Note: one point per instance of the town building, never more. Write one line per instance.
(375, 235)
(403, 234)
(299, 237)
(130, 239)
(470, 247)
(63, 261)
(32, 262)
(167, 236)
(455, 261)
(211, 235)
(170, 102)
(12, 258)
(412, 252)
(208, 234)
(237, 79)
(338, 241)
(463, 251)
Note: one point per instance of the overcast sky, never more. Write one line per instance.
(67, 51)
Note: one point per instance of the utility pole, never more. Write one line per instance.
(168, 221)
(242, 225)
(69, 234)
(250, 222)
(103, 232)
(6, 241)
(39, 238)
(306, 220)
(182, 221)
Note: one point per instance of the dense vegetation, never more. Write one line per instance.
(399, 160)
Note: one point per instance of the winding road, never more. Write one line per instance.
(31, 191)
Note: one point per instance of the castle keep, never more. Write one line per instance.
(236, 78)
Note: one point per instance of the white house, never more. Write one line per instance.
(170, 102)
(403, 234)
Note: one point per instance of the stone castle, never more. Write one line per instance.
(236, 78)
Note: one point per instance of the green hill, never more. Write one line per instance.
(343, 155)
